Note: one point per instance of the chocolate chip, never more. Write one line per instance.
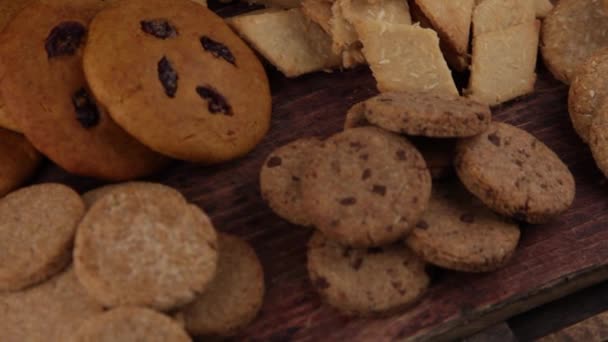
(217, 49)
(366, 174)
(364, 156)
(295, 179)
(274, 161)
(467, 218)
(494, 139)
(398, 286)
(348, 201)
(159, 28)
(375, 250)
(87, 112)
(321, 283)
(401, 155)
(379, 189)
(167, 76)
(422, 225)
(385, 100)
(217, 103)
(519, 163)
(357, 263)
(356, 145)
(65, 39)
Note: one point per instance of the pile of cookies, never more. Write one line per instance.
(127, 262)
(384, 203)
(114, 89)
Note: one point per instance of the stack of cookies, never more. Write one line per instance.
(114, 89)
(128, 262)
(383, 202)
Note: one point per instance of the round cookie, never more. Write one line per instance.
(428, 114)
(598, 138)
(355, 117)
(280, 179)
(438, 155)
(37, 228)
(366, 187)
(363, 282)
(588, 92)
(50, 311)
(515, 174)
(145, 246)
(571, 33)
(18, 160)
(128, 324)
(458, 232)
(46, 94)
(178, 79)
(235, 295)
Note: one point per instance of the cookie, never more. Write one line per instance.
(428, 114)
(515, 174)
(571, 33)
(366, 187)
(235, 295)
(319, 11)
(18, 160)
(92, 196)
(49, 98)
(587, 92)
(598, 138)
(128, 324)
(355, 117)
(542, 8)
(145, 246)
(280, 179)
(37, 228)
(458, 232)
(363, 282)
(498, 15)
(50, 311)
(438, 155)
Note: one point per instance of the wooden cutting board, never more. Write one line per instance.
(552, 261)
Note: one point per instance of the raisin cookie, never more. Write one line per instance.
(128, 324)
(515, 174)
(145, 246)
(281, 176)
(458, 232)
(235, 295)
(428, 114)
(37, 228)
(49, 98)
(18, 160)
(178, 79)
(366, 187)
(369, 281)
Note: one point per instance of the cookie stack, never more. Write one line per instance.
(381, 215)
(139, 252)
(114, 89)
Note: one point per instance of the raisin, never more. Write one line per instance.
(159, 28)
(217, 103)
(167, 76)
(218, 50)
(87, 112)
(65, 39)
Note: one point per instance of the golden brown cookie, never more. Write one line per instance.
(45, 92)
(366, 187)
(18, 160)
(281, 177)
(37, 228)
(178, 79)
(128, 324)
(362, 282)
(145, 246)
(458, 232)
(515, 174)
(235, 295)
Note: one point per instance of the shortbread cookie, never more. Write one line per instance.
(588, 92)
(235, 295)
(428, 114)
(363, 282)
(343, 34)
(598, 138)
(355, 117)
(542, 7)
(47, 312)
(45, 92)
(37, 228)
(129, 324)
(515, 174)
(296, 46)
(18, 160)
(458, 232)
(572, 32)
(281, 176)
(498, 15)
(145, 246)
(366, 187)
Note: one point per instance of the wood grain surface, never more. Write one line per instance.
(552, 261)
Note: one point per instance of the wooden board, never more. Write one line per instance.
(553, 259)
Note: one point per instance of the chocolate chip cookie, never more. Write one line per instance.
(366, 187)
(18, 160)
(515, 174)
(176, 77)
